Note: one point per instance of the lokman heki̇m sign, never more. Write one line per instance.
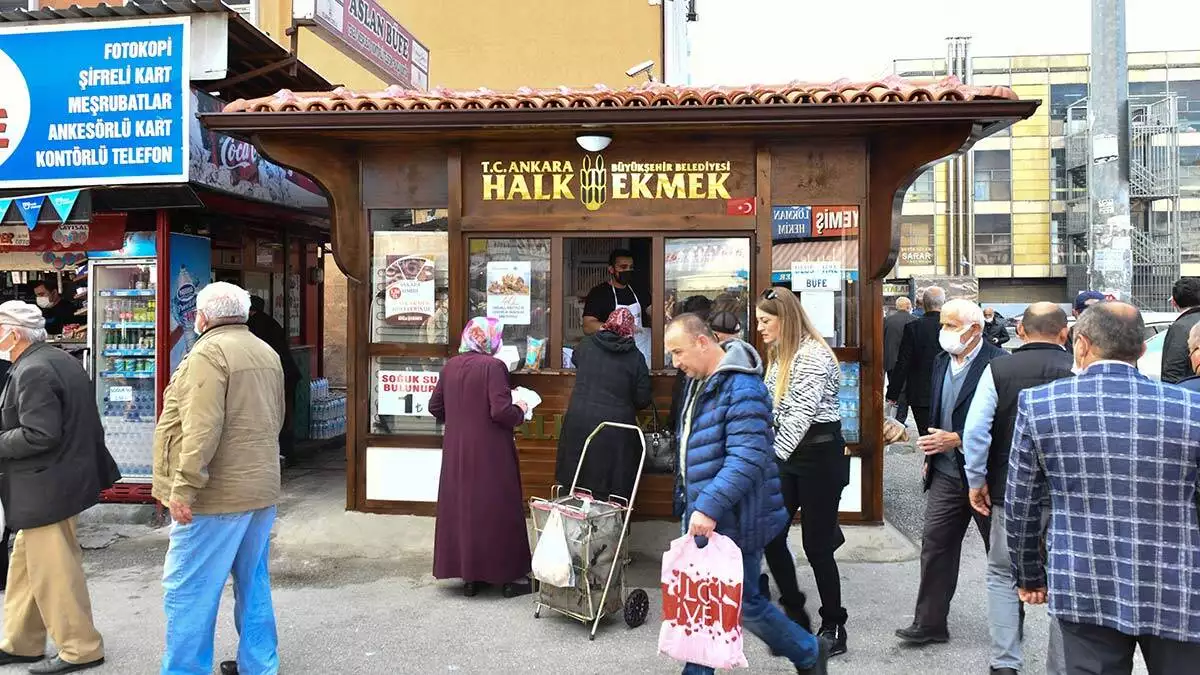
(94, 103)
(593, 181)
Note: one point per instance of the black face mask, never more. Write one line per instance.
(623, 278)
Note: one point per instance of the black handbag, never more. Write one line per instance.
(661, 456)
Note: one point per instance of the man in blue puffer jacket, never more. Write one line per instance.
(728, 480)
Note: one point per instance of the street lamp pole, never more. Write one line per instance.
(1110, 268)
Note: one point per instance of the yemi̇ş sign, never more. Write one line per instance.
(593, 182)
(109, 107)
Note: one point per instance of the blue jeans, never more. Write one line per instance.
(200, 558)
(765, 620)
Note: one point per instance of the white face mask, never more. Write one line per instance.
(951, 340)
(196, 326)
(43, 302)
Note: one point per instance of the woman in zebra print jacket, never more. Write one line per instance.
(803, 377)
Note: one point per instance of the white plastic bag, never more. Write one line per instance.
(552, 558)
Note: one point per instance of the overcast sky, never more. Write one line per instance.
(776, 41)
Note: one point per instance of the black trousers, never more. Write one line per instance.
(815, 489)
(901, 404)
(948, 515)
(1096, 650)
(921, 413)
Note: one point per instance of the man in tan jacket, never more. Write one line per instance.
(216, 467)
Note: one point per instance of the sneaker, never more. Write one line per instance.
(836, 634)
(821, 667)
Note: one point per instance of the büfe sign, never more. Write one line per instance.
(365, 28)
(108, 107)
(405, 392)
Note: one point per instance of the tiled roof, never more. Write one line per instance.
(888, 90)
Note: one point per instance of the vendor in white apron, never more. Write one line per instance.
(607, 297)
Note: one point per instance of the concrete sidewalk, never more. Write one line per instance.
(313, 522)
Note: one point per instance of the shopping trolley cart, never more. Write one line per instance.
(595, 532)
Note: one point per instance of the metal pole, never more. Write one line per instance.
(1110, 233)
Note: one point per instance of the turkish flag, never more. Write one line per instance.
(746, 206)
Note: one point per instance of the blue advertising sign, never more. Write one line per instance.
(190, 270)
(94, 103)
(791, 222)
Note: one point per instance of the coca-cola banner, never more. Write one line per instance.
(229, 165)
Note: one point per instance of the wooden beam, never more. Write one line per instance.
(636, 226)
(458, 250)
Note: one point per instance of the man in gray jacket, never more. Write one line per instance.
(54, 465)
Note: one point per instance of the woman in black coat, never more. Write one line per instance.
(612, 383)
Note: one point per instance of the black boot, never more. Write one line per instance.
(836, 634)
(229, 668)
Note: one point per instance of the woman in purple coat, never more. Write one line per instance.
(481, 536)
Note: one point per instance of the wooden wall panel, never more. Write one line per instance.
(819, 171)
(402, 177)
(537, 441)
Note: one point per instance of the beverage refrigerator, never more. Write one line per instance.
(123, 343)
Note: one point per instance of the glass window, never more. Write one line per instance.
(993, 176)
(410, 276)
(1058, 244)
(922, 188)
(993, 239)
(916, 240)
(834, 258)
(716, 268)
(400, 391)
(1063, 96)
(1189, 236)
(1189, 171)
(509, 279)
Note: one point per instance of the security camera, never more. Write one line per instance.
(646, 67)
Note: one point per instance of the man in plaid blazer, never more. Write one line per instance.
(1119, 456)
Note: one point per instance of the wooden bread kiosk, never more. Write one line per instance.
(448, 205)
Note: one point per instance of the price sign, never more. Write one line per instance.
(120, 394)
(404, 392)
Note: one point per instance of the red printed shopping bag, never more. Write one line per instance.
(702, 603)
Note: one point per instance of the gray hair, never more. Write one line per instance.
(1115, 329)
(903, 304)
(32, 335)
(966, 311)
(223, 303)
(933, 299)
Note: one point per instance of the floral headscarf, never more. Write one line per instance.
(620, 322)
(483, 335)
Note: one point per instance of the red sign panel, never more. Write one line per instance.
(835, 221)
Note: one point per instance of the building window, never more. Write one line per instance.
(993, 176)
(1189, 171)
(410, 275)
(509, 279)
(922, 188)
(1189, 105)
(717, 268)
(1058, 236)
(1063, 96)
(916, 240)
(1058, 173)
(993, 239)
(1189, 236)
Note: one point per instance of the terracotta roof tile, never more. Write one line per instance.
(888, 90)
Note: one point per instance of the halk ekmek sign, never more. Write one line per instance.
(94, 103)
(365, 28)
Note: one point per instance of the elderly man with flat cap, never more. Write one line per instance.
(53, 466)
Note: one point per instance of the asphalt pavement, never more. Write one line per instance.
(388, 616)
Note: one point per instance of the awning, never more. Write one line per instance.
(841, 251)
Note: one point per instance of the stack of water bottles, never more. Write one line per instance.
(327, 411)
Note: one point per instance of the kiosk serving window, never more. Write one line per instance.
(510, 281)
(410, 276)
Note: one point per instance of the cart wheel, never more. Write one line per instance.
(637, 606)
(592, 637)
